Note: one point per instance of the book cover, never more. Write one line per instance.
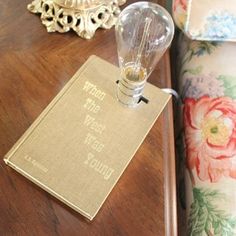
(80, 145)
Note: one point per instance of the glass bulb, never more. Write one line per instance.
(144, 31)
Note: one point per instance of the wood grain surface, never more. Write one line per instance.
(34, 66)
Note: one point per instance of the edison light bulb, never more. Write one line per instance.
(144, 31)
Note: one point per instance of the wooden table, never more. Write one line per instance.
(34, 66)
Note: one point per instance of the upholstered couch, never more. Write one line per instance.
(206, 141)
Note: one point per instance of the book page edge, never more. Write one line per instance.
(47, 189)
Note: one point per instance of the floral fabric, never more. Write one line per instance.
(210, 137)
(206, 19)
(207, 85)
(180, 12)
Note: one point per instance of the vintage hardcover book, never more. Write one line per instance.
(82, 142)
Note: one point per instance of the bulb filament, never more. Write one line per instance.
(141, 47)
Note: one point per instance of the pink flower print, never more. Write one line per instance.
(210, 133)
(180, 3)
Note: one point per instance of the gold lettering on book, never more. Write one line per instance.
(91, 105)
(35, 163)
(98, 166)
(92, 141)
(92, 89)
(94, 125)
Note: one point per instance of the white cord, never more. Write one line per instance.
(172, 92)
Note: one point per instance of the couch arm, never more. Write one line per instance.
(207, 85)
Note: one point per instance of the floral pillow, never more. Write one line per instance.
(207, 83)
(206, 19)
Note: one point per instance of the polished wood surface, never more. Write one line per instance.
(34, 66)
